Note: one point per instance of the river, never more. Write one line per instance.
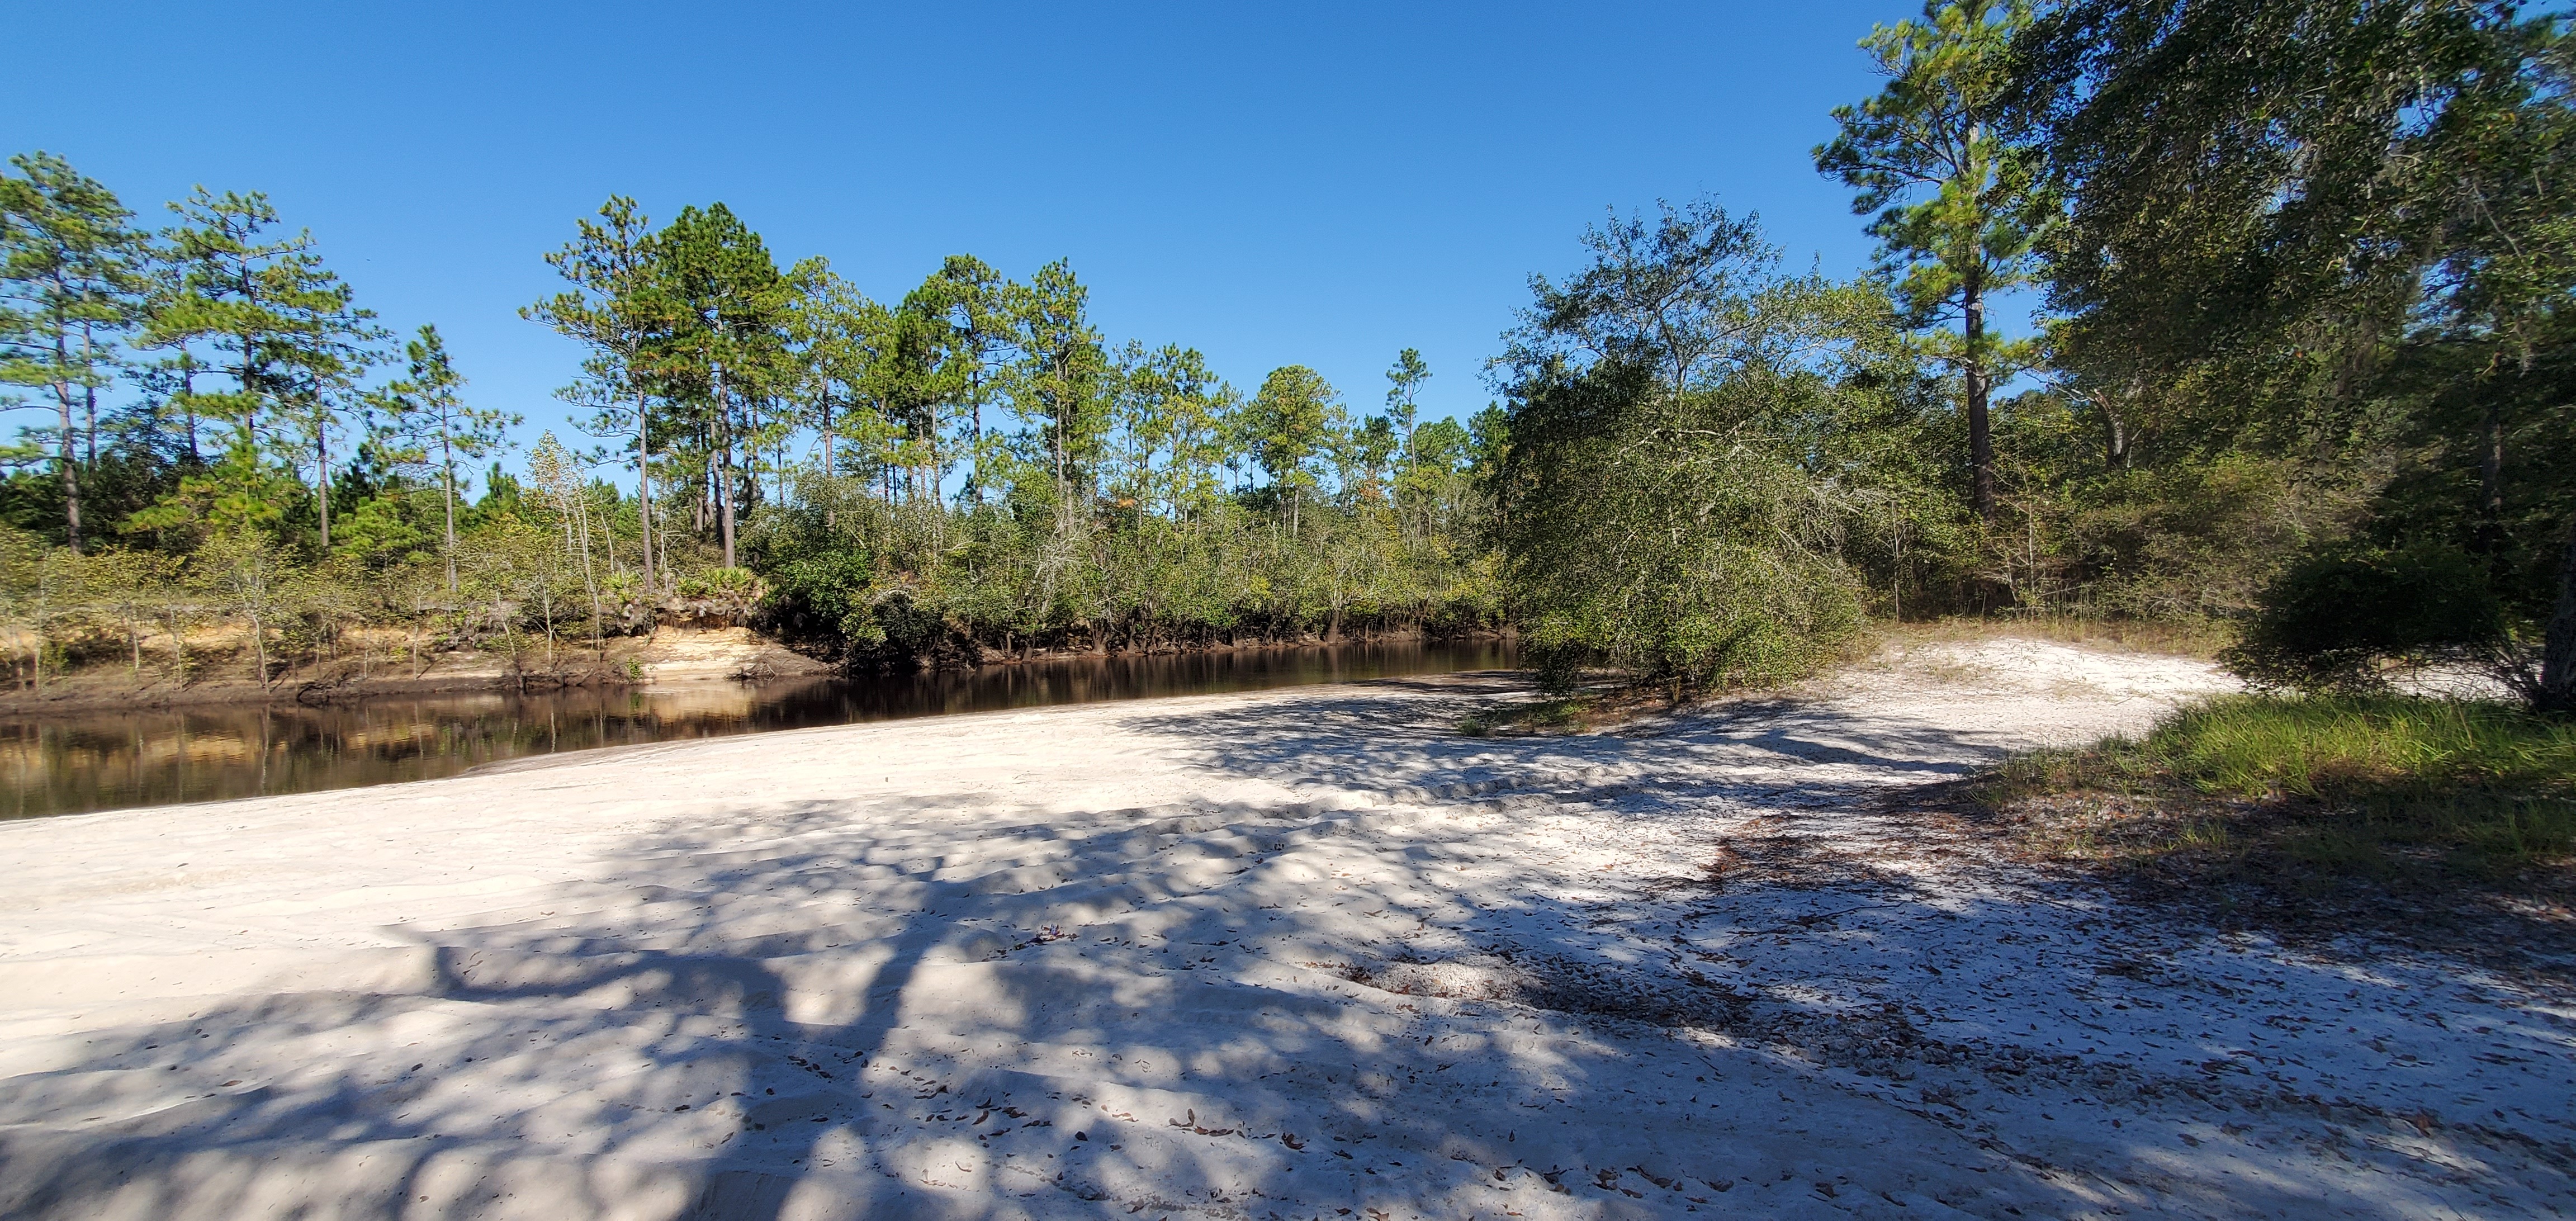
(109, 760)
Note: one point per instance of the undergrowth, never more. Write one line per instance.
(1564, 714)
(2309, 790)
(2180, 637)
(1582, 712)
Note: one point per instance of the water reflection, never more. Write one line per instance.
(102, 761)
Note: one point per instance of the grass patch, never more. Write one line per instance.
(1566, 714)
(2307, 790)
(2201, 638)
(1581, 712)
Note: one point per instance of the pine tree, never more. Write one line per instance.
(287, 329)
(726, 349)
(423, 412)
(968, 295)
(69, 287)
(1288, 425)
(1403, 386)
(1057, 382)
(1978, 203)
(616, 308)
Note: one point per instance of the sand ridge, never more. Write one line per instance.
(1283, 954)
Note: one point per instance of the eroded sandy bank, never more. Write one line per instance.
(1317, 952)
(671, 655)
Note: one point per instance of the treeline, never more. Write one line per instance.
(2303, 366)
(226, 435)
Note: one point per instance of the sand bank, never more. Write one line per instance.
(1287, 954)
(382, 669)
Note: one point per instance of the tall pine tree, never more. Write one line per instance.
(69, 287)
(1960, 207)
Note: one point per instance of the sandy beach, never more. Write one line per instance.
(1303, 953)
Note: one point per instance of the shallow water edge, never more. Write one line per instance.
(104, 760)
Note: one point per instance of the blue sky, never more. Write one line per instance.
(1317, 184)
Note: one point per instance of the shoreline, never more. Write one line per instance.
(740, 656)
(669, 655)
(1289, 950)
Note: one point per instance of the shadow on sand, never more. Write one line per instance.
(1414, 991)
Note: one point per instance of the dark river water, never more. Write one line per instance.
(106, 760)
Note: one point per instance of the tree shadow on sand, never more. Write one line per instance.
(1374, 996)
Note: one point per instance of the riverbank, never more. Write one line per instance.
(1295, 952)
(65, 762)
(669, 655)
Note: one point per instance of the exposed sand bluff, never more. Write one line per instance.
(1319, 955)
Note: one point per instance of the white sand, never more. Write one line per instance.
(1323, 957)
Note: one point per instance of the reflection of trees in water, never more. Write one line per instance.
(106, 760)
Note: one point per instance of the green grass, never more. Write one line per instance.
(2203, 638)
(2373, 786)
(1566, 713)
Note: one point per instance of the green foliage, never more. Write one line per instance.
(1403, 385)
(2337, 619)
(1961, 209)
(821, 585)
(70, 281)
(2334, 238)
(2282, 788)
(1057, 384)
(725, 584)
(421, 423)
(1672, 505)
(1287, 427)
(285, 328)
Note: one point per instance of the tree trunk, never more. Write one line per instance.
(2115, 434)
(2490, 532)
(89, 393)
(322, 472)
(643, 489)
(590, 580)
(71, 478)
(1981, 442)
(831, 508)
(178, 650)
(724, 466)
(2558, 649)
(447, 467)
(724, 500)
(188, 395)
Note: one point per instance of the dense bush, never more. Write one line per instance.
(2343, 618)
(1681, 479)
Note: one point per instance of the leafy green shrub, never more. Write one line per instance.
(627, 604)
(722, 584)
(2190, 540)
(2337, 620)
(1668, 505)
(894, 632)
(821, 595)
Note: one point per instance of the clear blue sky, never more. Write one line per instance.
(1311, 184)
